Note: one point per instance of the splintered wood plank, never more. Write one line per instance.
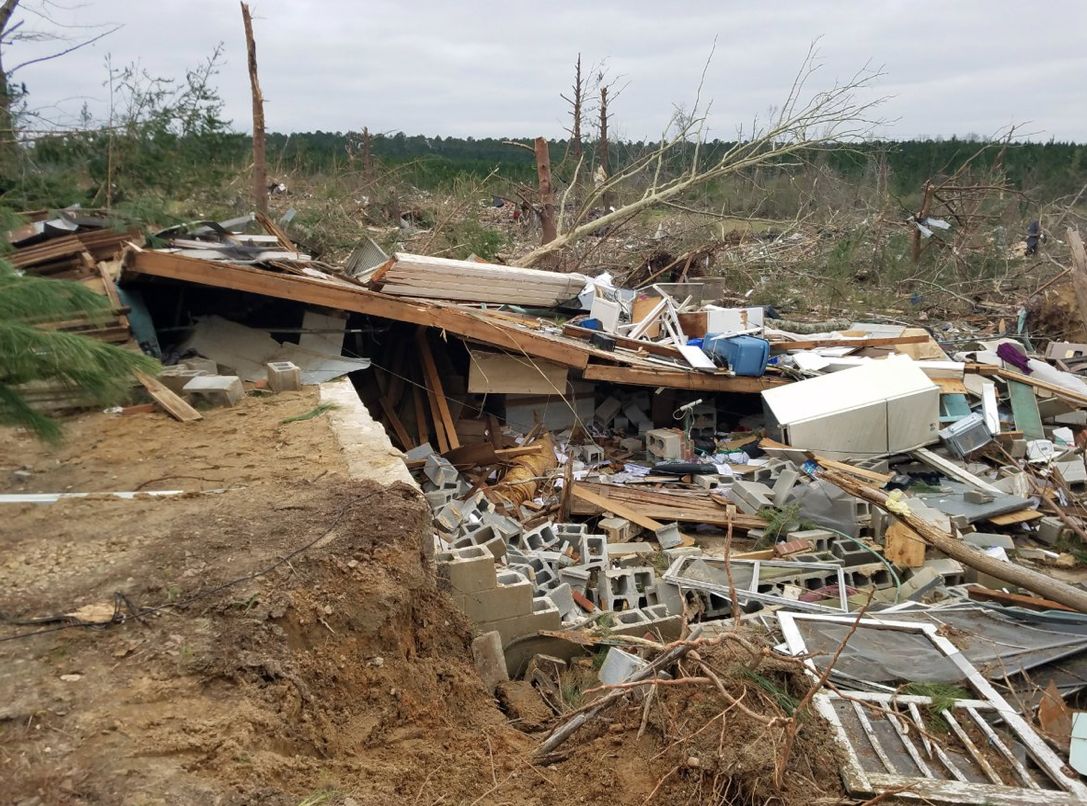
(439, 404)
(1020, 516)
(622, 510)
(874, 341)
(903, 547)
(174, 405)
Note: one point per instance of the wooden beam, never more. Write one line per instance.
(651, 347)
(623, 511)
(983, 594)
(345, 296)
(439, 405)
(663, 506)
(874, 341)
(174, 405)
(676, 379)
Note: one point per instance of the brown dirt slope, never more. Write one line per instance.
(292, 647)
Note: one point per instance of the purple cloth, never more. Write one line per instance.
(1013, 355)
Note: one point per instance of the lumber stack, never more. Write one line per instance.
(662, 505)
(408, 275)
(70, 257)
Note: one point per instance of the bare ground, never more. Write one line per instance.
(298, 649)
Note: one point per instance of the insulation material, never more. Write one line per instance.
(522, 479)
(246, 350)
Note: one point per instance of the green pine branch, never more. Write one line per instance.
(28, 354)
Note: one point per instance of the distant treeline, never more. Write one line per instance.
(1049, 169)
(154, 161)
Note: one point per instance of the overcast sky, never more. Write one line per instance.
(454, 67)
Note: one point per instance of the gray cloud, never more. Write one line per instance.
(494, 69)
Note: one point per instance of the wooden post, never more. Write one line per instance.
(547, 196)
(260, 167)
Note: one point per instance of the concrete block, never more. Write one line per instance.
(821, 539)
(664, 443)
(501, 601)
(486, 537)
(626, 588)
(489, 659)
(712, 481)
(636, 415)
(619, 667)
(283, 376)
(576, 577)
(950, 570)
(570, 532)
(466, 570)
(541, 538)
(751, 496)
(632, 444)
(502, 524)
(607, 410)
(977, 497)
(205, 365)
(219, 390)
(448, 518)
(786, 480)
(655, 620)
(668, 536)
(923, 581)
(591, 454)
(562, 596)
(418, 453)
(175, 378)
(617, 530)
(1050, 529)
(594, 551)
(544, 616)
(851, 553)
(438, 498)
(441, 472)
(984, 540)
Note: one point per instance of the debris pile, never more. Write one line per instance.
(643, 474)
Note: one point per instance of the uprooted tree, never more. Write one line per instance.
(31, 355)
(804, 125)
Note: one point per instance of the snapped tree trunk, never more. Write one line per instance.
(547, 195)
(603, 145)
(260, 167)
(578, 91)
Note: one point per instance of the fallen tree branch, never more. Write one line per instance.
(958, 550)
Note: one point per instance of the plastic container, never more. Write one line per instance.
(744, 355)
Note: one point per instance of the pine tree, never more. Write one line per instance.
(103, 372)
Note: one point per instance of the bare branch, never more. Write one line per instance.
(66, 51)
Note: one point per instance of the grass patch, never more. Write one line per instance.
(316, 411)
(942, 696)
(778, 692)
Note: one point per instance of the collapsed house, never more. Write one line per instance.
(635, 462)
